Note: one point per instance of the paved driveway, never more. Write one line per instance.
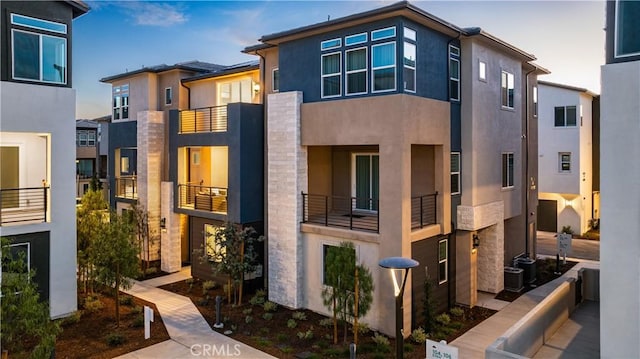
(580, 248)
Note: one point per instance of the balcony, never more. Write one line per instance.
(424, 210)
(336, 211)
(202, 198)
(23, 205)
(206, 119)
(127, 187)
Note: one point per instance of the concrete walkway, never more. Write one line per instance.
(191, 336)
(473, 343)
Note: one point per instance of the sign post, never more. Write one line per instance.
(440, 350)
(564, 245)
(148, 318)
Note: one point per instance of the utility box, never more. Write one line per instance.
(513, 279)
(529, 267)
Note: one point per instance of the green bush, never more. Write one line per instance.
(247, 311)
(457, 312)
(138, 322)
(248, 319)
(72, 319)
(443, 319)
(115, 339)
(208, 285)
(126, 300)
(306, 335)
(259, 298)
(299, 316)
(363, 328)
(189, 280)
(380, 340)
(269, 306)
(204, 301)
(326, 322)
(291, 323)
(567, 230)
(419, 336)
(93, 306)
(267, 316)
(282, 337)
(136, 310)
(151, 270)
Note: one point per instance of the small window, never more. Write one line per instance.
(535, 101)
(383, 33)
(91, 138)
(331, 74)
(507, 170)
(121, 102)
(627, 31)
(455, 173)
(409, 66)
(409, 34)
(328, 252)
(482, 71)
(168, 96)
(508, 88)
(565, 116)
(356, 71)
(275, 80)
(383, 62)
(39, 24)
(564, 161)
(443, 259)
(124, 165)
(355, 39)
(454, 73)
(330, 44)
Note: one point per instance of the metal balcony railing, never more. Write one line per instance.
(359, 214)
(424, 210)
(18, 205)
(206, 119)
(127, 187)
(202, 198)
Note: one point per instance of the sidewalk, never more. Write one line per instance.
(191, 336)
(473, 343)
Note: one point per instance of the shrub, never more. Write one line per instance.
(286, 349)
(380, 340)
(282, 337)
(138, 322)
(306, 335)
(363, 328)
(258, 298)
(419, 336)
(208, 285)
(136, 310)
(190, 281)
(299, 316)
(269, 306)
(300, 335)
(204, 301)
(115, 339)
(291, 323)
(443, 319)
(93, 306)
(247, 311)
(248, 319)
(151, 270)
(567, 230)
(267, 316)
(326, 322)
(457, 312)
(72, 319)
(126, 300)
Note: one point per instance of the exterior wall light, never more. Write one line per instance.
(476, 241)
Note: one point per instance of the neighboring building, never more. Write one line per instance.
(407, 136)
(92, 148)
(37, 176)
(620, 171)
(190, 151)
(567, 195)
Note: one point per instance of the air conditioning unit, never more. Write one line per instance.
(513, 279)
(529, 267)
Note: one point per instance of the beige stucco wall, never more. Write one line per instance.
(204, 93)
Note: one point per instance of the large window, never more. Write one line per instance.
(508, 88)
(214, 249)
(38, 55)
(564, 161)
(507, 170)
(443, 259)
(331, 74)
(121, 102)
(454, 73)
(235, 91)
(84, 168)
(455, 173)
(356, 71)
(627, 31)
(565, 116)
(366, 184)
(383, 60)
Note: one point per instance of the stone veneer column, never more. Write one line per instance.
(170, 256)
(150, 148)
(287, 173)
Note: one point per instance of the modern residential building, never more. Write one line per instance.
(190, 151)
(620, 170)
(567, 194)
(92, 148)
(407, 136)
(37, 176)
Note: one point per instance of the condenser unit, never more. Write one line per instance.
(513, 279)
(529, 267)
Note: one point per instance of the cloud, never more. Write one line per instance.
(154, 13)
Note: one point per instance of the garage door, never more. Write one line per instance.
(547, 215)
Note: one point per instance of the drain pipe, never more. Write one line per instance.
(526, 159)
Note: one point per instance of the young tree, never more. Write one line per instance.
(24, 317)
(91, 218)
(95, 184)
(115, 256)
(233, 253)
(146, 237)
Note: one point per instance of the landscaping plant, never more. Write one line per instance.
(91, 219)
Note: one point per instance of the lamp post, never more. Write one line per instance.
(401, 265)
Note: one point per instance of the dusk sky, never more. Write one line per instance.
(567, 37)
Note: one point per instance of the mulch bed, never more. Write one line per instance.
(545, 273)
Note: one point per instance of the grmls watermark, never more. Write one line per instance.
(222, 350)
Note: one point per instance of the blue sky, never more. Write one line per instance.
(567, 37)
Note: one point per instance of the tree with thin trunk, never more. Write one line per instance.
(115, 256)
(144, 234)
(91, 219)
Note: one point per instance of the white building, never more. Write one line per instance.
(565, 164)
(37, 147)
(620, 184)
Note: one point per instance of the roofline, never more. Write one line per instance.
(568, 87)
(253, 49)
(488, 36)
(151, 70)
(80, 7)
(220, 73)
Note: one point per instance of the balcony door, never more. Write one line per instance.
(365, 180)
(9, 175)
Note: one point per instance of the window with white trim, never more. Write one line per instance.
(356, 71)
(565, 116)
(507, 170)
(383, 33)
(121, 102)
(564, 162)
(383, 63)
(37, 53)
(168, 96)
(454, 73)
(85, 138)
(331, 74)
(275, 80)
(409, 62)
(455, 173)
(409, 34)
(482, 70)
(507, 89)
(355, 39)
(443, 261)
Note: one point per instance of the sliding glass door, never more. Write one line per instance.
(366, 185)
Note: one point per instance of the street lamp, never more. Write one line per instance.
(401, 266)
